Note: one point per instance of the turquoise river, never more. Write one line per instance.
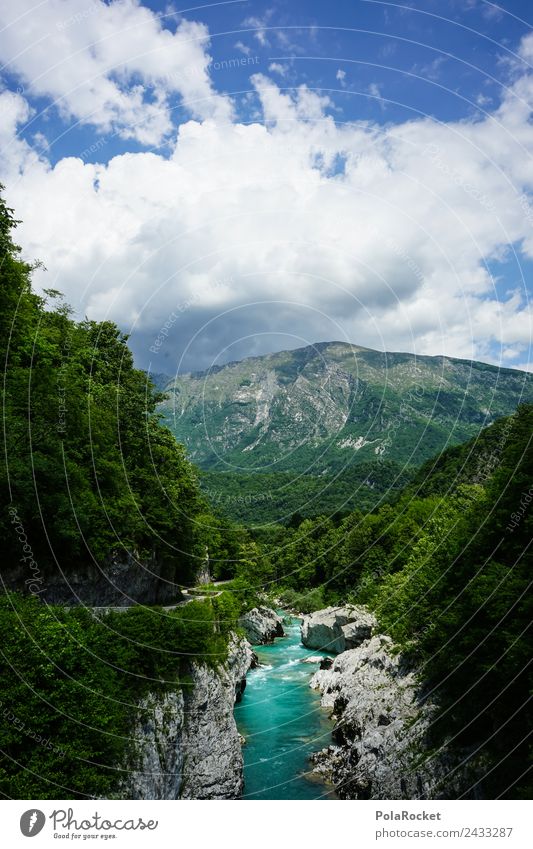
(282, 722)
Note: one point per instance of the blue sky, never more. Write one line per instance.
(400, 60)
(225, 176)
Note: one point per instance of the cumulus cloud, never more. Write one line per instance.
(375, 92)
(113, 66)
(292, 229)
(278, 68)
(260, 26)
(243, 48)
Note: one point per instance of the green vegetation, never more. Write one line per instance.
(273, 497)
(70, 684)
(89, 470)
(86, 464)
(330, 427)
(447, 570)
(306, 602)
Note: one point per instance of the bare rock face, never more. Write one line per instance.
(380, 748)
(337, 629)
(211, 743)
(155, 768)
(185, 741)
(261, 625)
(122, 579)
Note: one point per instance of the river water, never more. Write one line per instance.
(282, 721)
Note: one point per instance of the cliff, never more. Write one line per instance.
(380, 744)
(122, 579)
(185, 743)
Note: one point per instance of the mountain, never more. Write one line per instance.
(324, 410)
(159, 379)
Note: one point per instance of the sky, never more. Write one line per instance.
(234, 178)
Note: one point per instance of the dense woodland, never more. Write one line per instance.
(276, 496)
(447, 570)
(88, 468)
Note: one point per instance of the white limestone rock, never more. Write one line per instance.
(185, 743)
(337, 629)
(261, 625)
(380, 748)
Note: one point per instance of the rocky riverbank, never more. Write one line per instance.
(337, 629)
(261, 625)
(380, 746)
(185, 743)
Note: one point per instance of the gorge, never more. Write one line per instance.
(335, 711)
(282, 722)
(321, 708)
(121, 662)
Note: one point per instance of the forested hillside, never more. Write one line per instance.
(71, 684)
(90, 476)
(330, 427)
(447, 570)
(88, 472)
(255, 499)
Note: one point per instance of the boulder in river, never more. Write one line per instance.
(337, 629)
(261, 625)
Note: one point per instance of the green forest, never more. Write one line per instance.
(89, 470)
(447, 570)
(275, 496)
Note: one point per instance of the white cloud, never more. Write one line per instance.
(18, 156)
(113, 66)
(295, 225)
(278, 68)
(260, 25)
(483, 101)
(278, 107)
(243, 48)
(525, 50)
(341, 77)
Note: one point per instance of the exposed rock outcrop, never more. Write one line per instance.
(120, 580)
(185, 741)
(261, 625)
(212, 746)
(337, 629)
(380, 748)
(155, 766)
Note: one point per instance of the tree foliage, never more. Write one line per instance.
(86, 463)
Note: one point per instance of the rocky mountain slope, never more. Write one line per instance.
(261, 625)
(318, 408)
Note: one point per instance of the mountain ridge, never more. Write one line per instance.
(213, 369)
(318, 409)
